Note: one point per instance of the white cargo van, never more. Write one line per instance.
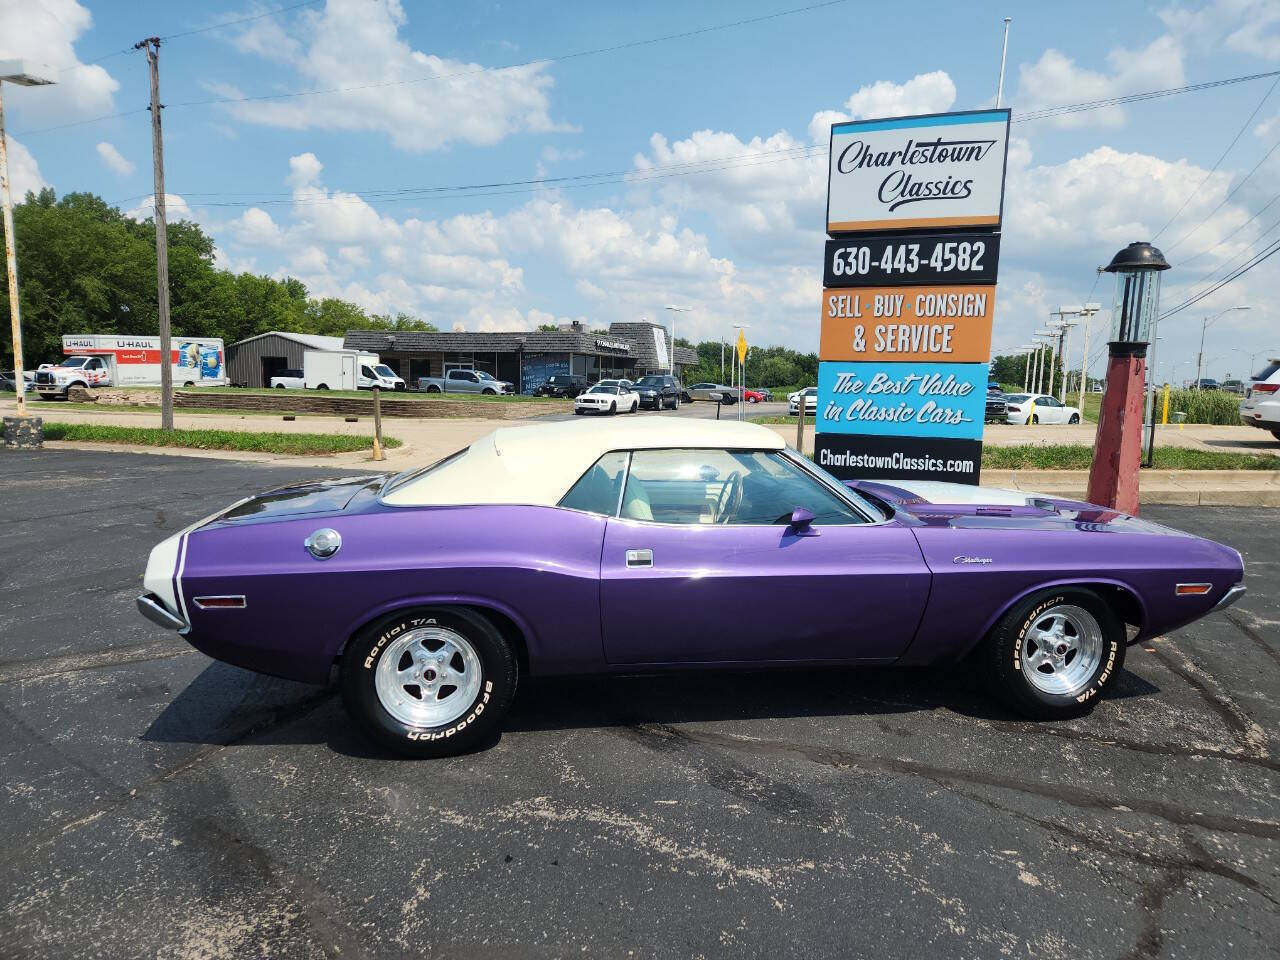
(107, 360)
(347, 370)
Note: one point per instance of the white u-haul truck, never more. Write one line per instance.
(108, 360)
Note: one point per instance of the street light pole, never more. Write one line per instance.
(152, 47)
(674, 310)
(22, 74)
(1203, 327)
(1004, 52)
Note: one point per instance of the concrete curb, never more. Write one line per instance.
(1218, 488)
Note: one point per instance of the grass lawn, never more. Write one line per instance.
(779, 419)
(290, 443)
(1078, 456)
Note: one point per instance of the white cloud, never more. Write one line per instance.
(114, 160)
(1251, 27)
(24, 172)
(421, 101)
(924, 93)
(1056, 79)
(175, 208)
(45, 33)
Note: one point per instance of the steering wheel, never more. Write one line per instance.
(730, 497)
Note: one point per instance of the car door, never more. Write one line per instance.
(1048, 410)
(688, 576)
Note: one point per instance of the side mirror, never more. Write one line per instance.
(802, 523)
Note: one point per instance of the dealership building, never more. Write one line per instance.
(527, 358)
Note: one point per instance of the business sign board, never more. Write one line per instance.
(902, 399)
(909, 274)
(917, 173)
(908, 323)
(941, 258)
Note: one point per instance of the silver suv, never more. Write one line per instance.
(1261, 404)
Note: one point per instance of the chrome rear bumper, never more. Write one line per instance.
(1230, 597)
(157, 613)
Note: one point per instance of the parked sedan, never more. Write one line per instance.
(9, 383)
(660, 544)
(710, 391)
(1026, 408)
(607, 398)
(810, 396)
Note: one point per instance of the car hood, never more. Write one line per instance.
(938, 504)
(316, 496)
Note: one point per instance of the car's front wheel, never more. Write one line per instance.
(1053, 655)
(431, 682)
(1075, 418)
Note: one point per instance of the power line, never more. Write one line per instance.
(539, 61)
(232, 23)
(373, 85)
(1230, 147)
(1260, 212)
(1191, 301)
(188, 33)
(1063, 109)
(1232, 193)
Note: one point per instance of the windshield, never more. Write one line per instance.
(75, 361)
(649, 382)
(1017, 397)
(383, 370)
(603, 389)
(1268, 371)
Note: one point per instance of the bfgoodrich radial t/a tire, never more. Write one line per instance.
(430, 682)
(1054, 654)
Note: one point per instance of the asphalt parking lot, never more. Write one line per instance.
(160, 804)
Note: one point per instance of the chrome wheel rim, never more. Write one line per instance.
(428, 677)
(1062, 650)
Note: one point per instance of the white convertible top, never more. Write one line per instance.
(538, 463)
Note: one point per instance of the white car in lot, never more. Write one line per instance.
(289, 380)
(607, 398)
(1039, 408)
(810, 395)
(1261, 404)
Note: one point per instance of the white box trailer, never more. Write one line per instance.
(346, 370)
(110, 360)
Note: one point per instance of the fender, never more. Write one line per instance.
(532, 642)
(940, 645)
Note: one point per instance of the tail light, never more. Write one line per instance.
(1266, 387)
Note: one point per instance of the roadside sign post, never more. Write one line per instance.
(23, 74)
(742, 374)
(914, 207)
(377, 425)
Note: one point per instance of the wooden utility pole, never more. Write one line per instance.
(152, 47)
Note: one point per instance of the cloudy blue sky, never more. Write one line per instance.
(713, 142)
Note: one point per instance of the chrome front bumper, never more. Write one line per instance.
(157, 613)
(1230, 597)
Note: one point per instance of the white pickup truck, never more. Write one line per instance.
(465, 381)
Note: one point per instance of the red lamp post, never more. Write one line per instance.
(1117, 451)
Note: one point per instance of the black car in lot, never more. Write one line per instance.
(659, 390)
(997, 408)
(562, 385)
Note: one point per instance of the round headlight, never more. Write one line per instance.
(324, 543)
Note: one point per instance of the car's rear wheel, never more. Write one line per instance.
(1054, 654)
(431, 682)
(1276, 434)
(1035, 418)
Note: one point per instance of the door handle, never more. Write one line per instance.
(639, 558)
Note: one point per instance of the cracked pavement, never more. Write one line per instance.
(160, 804)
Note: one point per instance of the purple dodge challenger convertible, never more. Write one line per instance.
(657, 543)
